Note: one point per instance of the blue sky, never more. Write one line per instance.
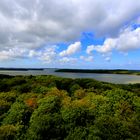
(70, 34)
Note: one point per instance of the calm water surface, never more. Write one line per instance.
(113, 78)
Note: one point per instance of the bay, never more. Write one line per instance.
(112, 78)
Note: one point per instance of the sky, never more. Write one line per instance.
(87, 34)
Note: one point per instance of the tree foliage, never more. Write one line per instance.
(54, 108)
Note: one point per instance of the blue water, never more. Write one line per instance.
(112, 78)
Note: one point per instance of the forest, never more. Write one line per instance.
(101, 71)
(55, 108)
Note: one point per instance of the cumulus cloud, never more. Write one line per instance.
(129, 39)
(108, 58)
(35, 22)
(69, 60)
(28, 25)
(12, 53)
(108, 45)
(73, 48)
(88, 58)
(47, 55)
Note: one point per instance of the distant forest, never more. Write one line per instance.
(21, 69)
(55, 108)
(102, 71)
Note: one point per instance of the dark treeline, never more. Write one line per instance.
(117, 71)
(21, 69)
(54, 108)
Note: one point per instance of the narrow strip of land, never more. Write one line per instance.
(21, 69)
(101, 71)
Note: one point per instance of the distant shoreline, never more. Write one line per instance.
(111, 76)
(98, 71)
(21, 69)
(101, 71)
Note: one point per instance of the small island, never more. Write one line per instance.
(101, 71)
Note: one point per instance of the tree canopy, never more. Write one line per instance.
(55, 108)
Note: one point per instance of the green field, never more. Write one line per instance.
(54, 108)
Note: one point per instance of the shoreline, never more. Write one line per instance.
(101, 71)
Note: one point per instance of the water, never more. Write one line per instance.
(112, 78)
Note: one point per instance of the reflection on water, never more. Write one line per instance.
(113, 78)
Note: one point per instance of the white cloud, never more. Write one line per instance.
(90, 49)
(72, 49)
(47, 55)
(33, 53)
(69, 60)
(108, 58)
(12, 54)
(107, 47)
(28, 27)
(31, 23)
(127, 40)
(88, 58)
